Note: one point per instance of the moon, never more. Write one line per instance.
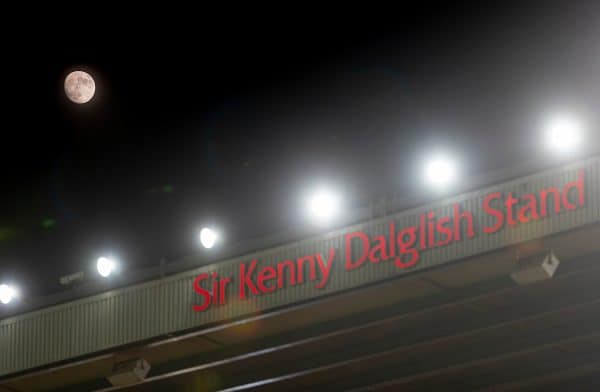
(79, 87)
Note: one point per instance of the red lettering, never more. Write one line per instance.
(223, 285)
(422, 237)
(246, 279)
(510, 202)
(444, 231)
(266, 274)
(350, 264)
(495, 213)
(291, 266)
(529, 210)
(430, 229)
(392, 240)
(578, 185)
(325, 268)
(544, 200)
(458, 218)
(215, 288)
(203, 292)
(311, 265)
(407, 246)
(378, 248)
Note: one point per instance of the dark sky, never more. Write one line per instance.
(231, 120)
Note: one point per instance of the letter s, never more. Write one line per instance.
(491, 211)
(203, 292)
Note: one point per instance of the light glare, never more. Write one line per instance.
(564, 133)
(208, 237)
(440, 171)
(7, 293)
(323, 206)
(105, 266)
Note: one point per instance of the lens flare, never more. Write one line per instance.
(105, 266)
(208, 237)
(7, 293)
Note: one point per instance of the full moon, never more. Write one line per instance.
(79, 87)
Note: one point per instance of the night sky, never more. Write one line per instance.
(232, 120)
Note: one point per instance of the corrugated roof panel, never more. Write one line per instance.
(164, 306)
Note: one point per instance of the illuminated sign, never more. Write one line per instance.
(402, 246)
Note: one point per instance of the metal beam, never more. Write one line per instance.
(492, 330)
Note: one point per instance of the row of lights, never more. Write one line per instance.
(564, 135)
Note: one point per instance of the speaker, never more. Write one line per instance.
(129, 372)
(535, 268)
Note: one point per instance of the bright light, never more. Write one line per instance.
(440, 172)
(7, 293)
(208, 237)
(564, 133)
(323, 206)
(105, 266)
